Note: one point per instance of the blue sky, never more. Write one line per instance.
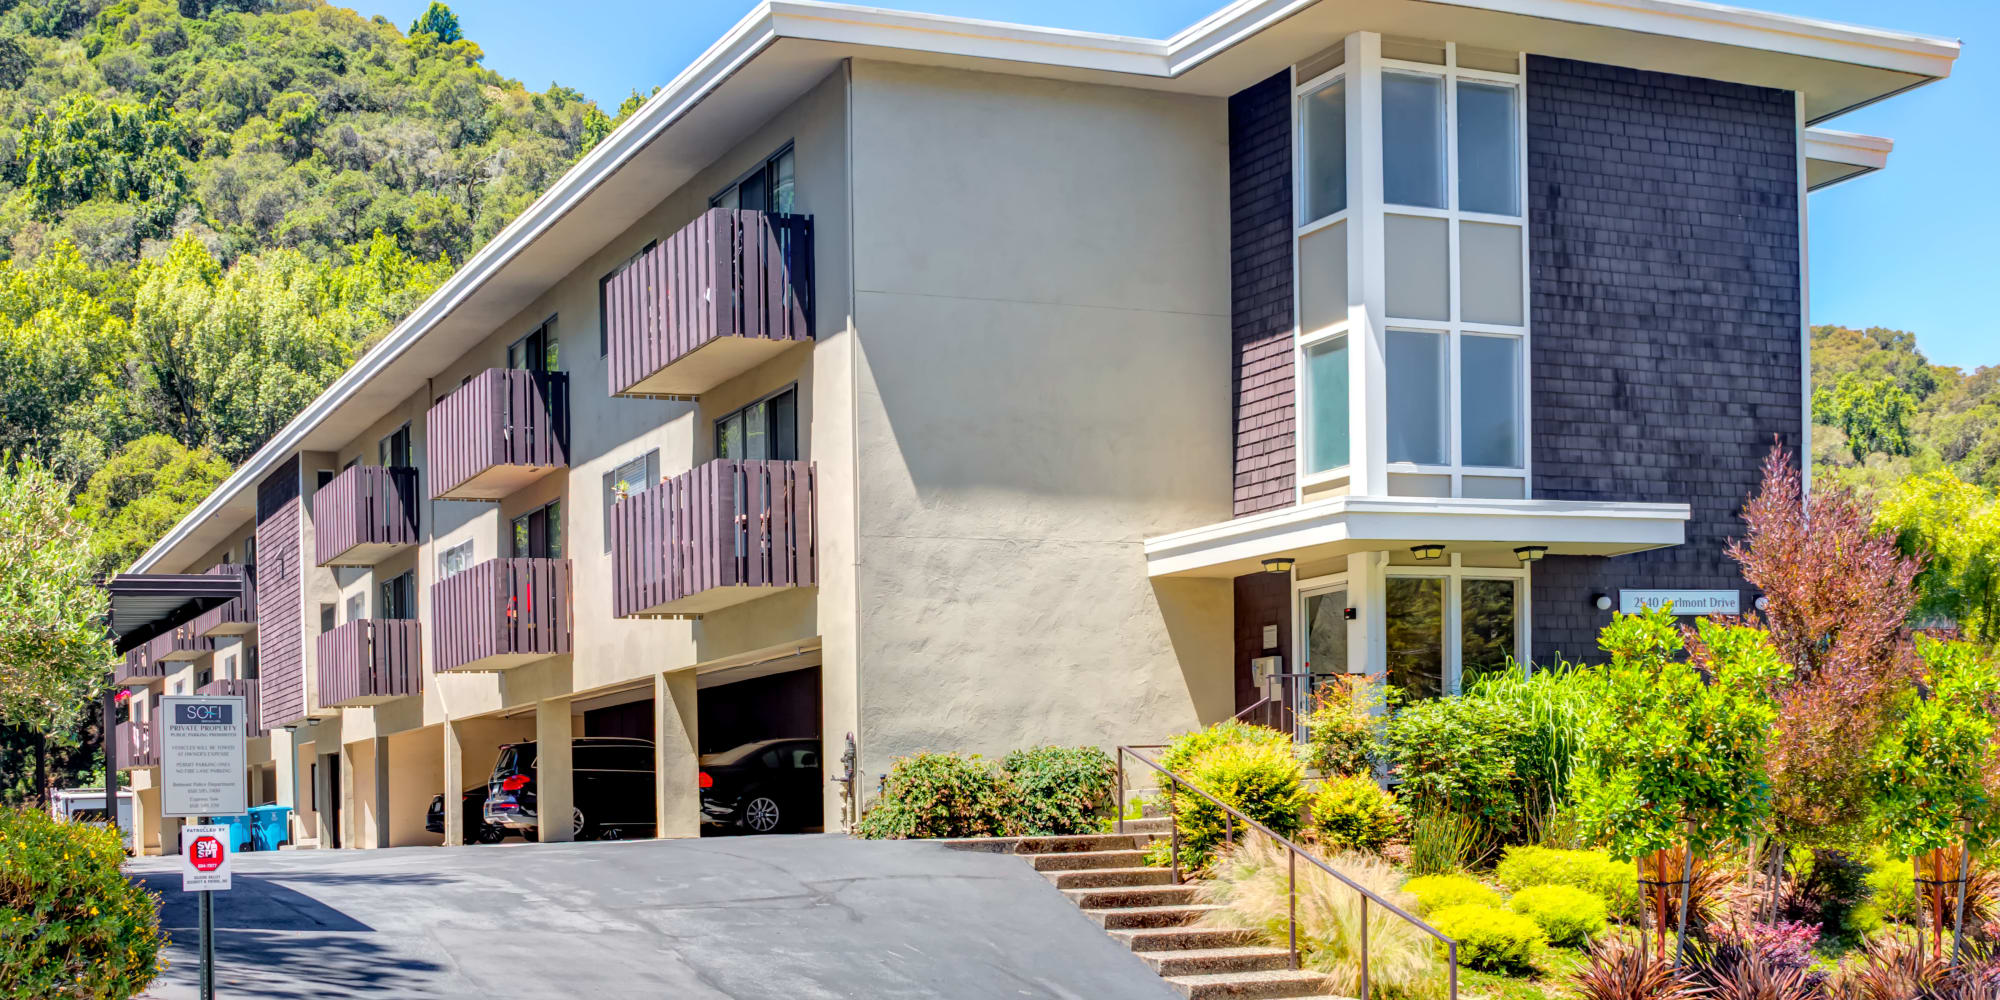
(1913, 247)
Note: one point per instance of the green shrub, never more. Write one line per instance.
(1462, 755)
(938, 795)
(1341, 728)
(70, 922)
(1355, 814)
(1490, 939)
(1440, 892)
(1442, 842)
(1059, 790)
(1894, 891)
(1183, 749)
(1262, 780)
(1568, 915)
(1614, 882)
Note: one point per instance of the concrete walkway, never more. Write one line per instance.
(796, 918)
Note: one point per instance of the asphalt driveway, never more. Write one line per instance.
(797, 918)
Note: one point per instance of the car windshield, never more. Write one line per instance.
(514, 759)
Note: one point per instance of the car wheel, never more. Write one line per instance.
(611, 833)
(761, 814)
(490, 834)
(576, 824)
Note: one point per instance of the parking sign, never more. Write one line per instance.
(204, 858)
(202, 768)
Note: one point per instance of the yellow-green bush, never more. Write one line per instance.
(1489, 938)
(1568, 915)
(1615, 882)
(1264, 781)
(1438, 892)
(1355, 814)
(70, 922)
(1893, 885)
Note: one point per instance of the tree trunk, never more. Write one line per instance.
(1687, 877)
(1958, 923)
(1777, 869)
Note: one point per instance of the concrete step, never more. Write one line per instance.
(1151, 824)
(1070, 845)
(1102, 878)
(1182, 938)
(1209, 961)
(1126, 896)
(1133, 917)
(1081, 860)
(1267, 985)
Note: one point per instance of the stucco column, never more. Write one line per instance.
(382, 792)
(350, 803)
(454, 785)
(1367, 634)
(554, 788)
(676, 793)
(323, 804)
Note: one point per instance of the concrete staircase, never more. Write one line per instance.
(1107, 876)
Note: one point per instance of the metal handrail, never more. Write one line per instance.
(1293, 853)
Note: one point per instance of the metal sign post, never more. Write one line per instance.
(203, 775)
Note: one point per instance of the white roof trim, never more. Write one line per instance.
(1326, 528)
(1865, 153)
(842, 23)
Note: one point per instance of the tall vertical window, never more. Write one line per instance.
(767, 188)
(1448, 625)
(766, 429)
(538, 351)
(1321, 281)
(1454, 252)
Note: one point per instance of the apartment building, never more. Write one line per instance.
(905, 382)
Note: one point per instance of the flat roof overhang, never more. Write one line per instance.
(1834, 157)
(782, 48)
(146, 605)
(1325, 529)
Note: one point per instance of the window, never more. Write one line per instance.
(538, 533)
(1417, 371)
(603, 305)
(455, 560)
(1447, 626)
(632, 477)
(326, 617)
(766, 429)
(1413, 139)
(357, 607)
(768, 187)
(1488, 623)
(228, 667)
(399, 597)
(538, 351)
(250, 551)
(1324, 125)
(250, 665)
(1321, 281)
(204, 677)
(1326, 404)
(394, 450)
(321, 477)
(1415, 620)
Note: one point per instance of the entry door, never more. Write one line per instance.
(1323, 635)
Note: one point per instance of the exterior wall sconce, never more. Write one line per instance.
(1531, 553)
(1278, 564)
(1427, 551)
(1762, 603)
(1601, 602)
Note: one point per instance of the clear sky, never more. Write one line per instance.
(1914, 247)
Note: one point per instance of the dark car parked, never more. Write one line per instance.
(477, 830)
(762, 787)
(612, 789)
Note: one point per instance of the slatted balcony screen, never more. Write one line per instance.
(497, 432)
(719, 534)
(370, 660)
(501, 613)
(247, 689)
(238, 616)
(365, 513)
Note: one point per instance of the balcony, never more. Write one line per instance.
(498, 432)
(239, 615)
(717, 535)
(247, 689)
(135, 745)
(501, 613)
(720, 297)
(179, 645)
(136, 668)
(369, 661)
(365, 514)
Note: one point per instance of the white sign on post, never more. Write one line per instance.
(205, 858)
(1685, 602)
(202, 768)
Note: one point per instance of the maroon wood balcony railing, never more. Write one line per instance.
(497, 433)
(716, 535)
(248, 690)
(237, 617)
(710, 302)
(501, 613)
(369, 661)
(136, 667)
(364, 514)
(135, 745)
(179, 644)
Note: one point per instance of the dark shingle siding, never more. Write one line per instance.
(1260, 281)
(1665, 299)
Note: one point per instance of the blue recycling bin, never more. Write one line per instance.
(269, 826)
(239, 831)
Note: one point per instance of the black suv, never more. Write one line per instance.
(762, 787)
(477, 830)
(612, 790)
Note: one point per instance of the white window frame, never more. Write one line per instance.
(1455, 574)
(1313, 587)
(465, 547)
(1455, 328)
(1303, 340)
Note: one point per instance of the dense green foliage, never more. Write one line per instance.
(1881, 411)
(1262, 780)
(1567, 915)
(1059, 790)
(1462, 756)
(1936, 769)
(136, 496)
(1488, 938)
(938, 795)
(1596, 872)
(1343, 726)
(1355, 814)
(71, 925)
(1437, 892)
(52, 644)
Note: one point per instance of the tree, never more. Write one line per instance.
(87, 148)
(1839, 596)
(141, 493)
(1956, 525)
(53, 647)
(439, 21)
(1874, 414)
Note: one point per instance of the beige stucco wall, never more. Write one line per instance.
(1042, 298)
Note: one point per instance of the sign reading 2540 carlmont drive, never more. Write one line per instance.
(1684, 602)
(201, 756)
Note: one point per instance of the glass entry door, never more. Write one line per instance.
(1323, 621)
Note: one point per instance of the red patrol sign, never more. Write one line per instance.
(204, 858)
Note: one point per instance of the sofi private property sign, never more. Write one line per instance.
(1685, 602)
(202, 770)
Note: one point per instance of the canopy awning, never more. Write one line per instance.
(144, 605)
(1338, 526)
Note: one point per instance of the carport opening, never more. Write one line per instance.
(763, 752)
